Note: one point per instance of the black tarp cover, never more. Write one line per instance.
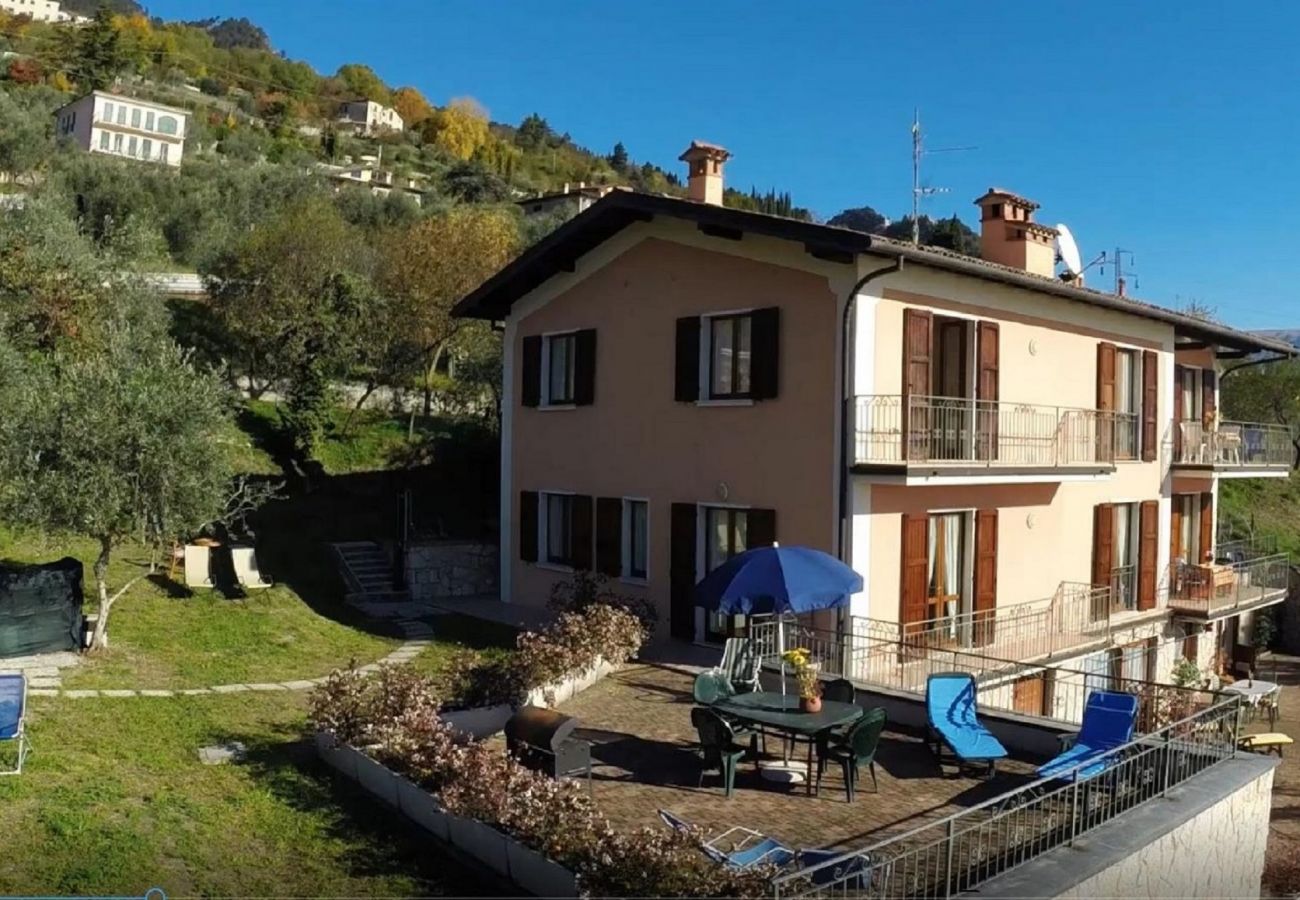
(40, 608)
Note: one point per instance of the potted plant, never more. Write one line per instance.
(805, 673)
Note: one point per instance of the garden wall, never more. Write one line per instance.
(450, 569)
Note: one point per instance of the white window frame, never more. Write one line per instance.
(107, 115)
(543, 530)
(705, 380)
(625, 550)
(544, 402)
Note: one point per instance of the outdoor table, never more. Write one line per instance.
(1253, 689)
(781, 713)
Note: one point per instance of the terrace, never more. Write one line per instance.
(1233, 449)
(1211, 592)
(928, 832)
(922, 436)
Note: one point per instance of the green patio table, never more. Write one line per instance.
(781, 713)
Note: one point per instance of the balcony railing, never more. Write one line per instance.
(1232, 445)
(898, 430)
(1123, 588)
(1076, 615)
(1211, 589)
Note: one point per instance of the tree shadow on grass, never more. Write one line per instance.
(378, 842)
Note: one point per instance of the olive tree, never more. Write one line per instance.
(116, 442)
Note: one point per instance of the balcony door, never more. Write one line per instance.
(951, 387)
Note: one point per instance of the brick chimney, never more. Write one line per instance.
(704, 183)
(1010, 236)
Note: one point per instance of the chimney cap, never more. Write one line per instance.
(705, 150)
(997, 193)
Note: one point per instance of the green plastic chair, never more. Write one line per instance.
(858, 747)
(718, 746)
(710, 687)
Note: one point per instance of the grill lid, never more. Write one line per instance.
(538, 727)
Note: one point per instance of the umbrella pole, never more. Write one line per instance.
(780, 649)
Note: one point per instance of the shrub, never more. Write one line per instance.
(574, 643)
(586, 589)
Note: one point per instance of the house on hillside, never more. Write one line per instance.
(380, 182)
(41, 11)
(573, 199)
(101, 122)
(1014, 462)
(368, 117)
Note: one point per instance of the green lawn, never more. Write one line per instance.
(492, 639)
(1264, 506)
(373, 440)
(114, 801)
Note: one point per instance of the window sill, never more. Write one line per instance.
(635, 582)
(739, 401)
(554, 567)
(556, 406)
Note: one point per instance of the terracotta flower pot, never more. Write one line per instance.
(810, 704)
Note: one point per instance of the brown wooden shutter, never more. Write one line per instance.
(918, 338)
(760, 528)
(1148, 548)
(609, 536)
(1176, 528)
(531, 376)
(1150, 401)
(1208, 382)
(1191, 648)
(584, 367)
(765, 353)
(528, 509)
(681, 571)
(687, 380)
(915, 585)
(1105, 402)
(986, 574)
(1207, 528)
(1103, 544)
(580, 552)
(1178, 411)
(986, 389)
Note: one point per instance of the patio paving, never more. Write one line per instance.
(644, 759)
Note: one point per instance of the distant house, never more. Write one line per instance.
(101, 122)
(379, 182)
(574, 198)
(40, 10)
(369, 117)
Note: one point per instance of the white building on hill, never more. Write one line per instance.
(40, 10)
(369, 117)
(124, 126)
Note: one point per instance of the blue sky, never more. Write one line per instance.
(1170, 129)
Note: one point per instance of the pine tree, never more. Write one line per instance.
(618, 158)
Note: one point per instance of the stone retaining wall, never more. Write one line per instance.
(450, 569)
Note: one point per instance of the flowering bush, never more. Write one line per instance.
(478, 780)
(471, 679)
(574, 643)
(586, 589)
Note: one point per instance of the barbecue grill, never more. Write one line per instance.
(541, 740)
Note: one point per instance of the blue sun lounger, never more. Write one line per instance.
(742, 854)
(1109, 718)
(950, 703)
(13, 706)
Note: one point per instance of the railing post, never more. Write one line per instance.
(947, 865)
(1074, 812)
(1167, 775)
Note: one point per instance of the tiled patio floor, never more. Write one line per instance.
(645, 759)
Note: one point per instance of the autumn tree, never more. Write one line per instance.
(411, 106)
(433, 264)
(361, 81)
(460, 128)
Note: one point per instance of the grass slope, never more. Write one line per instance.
(1263, 506)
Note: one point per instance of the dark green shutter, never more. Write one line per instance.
(528, 526)
(584, 368)
(609, 536)
(765, 347)
(682, 572)
(687, 388)
(531, 376)
(760, 528)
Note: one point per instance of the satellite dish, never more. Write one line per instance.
(1067, 251)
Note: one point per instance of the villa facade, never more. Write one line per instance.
(128, 127)
(1016, 464)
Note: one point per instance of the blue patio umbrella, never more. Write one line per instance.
(778, 580)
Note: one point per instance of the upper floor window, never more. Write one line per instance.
(135, 118)
(148, 121)
(728, 356)
(108, 111)
(168, 125)
(121, 114)
(559, 370)
(1126, 403)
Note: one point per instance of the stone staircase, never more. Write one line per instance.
(367, 573)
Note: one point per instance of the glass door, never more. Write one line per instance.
(726, 534)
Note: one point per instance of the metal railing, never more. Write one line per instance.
(1123, 588)
(901, 665)
(1208, 589)
(1243, 445)
(1247, 548)
(1076, 615)
(895, 429)
(959, 853)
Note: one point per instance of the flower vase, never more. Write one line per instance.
(810, 704)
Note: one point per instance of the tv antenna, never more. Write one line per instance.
(918, 191)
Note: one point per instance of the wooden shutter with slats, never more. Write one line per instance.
(681, 571)
(1178, 410)
(530, 362)
(760, 528)
(986, 390)
(1148, 548)
(1209, 380)
(609, 536)
(687, 378)
(765, 353)
(1207, 528)
(986, 574)
(1106, 430)
(584, 367)
(1150, 402)
(1103, 544)
(528, 510)
(916, 570)
(918, 349)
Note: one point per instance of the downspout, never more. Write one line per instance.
(846, 416)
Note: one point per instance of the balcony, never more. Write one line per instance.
(1233, 449)
(1219, 591)
(925, 438)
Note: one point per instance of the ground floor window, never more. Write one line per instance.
(948, 595)
(1124, 575)
(636, 544)
(726, 534)
(558, 525)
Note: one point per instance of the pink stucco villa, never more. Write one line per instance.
(1001, 453)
